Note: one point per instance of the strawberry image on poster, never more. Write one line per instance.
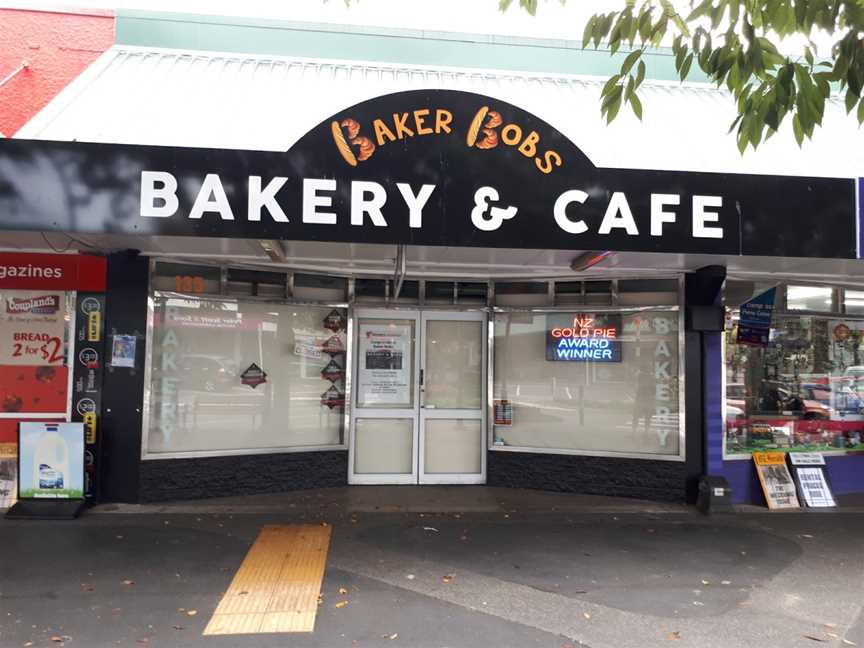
(33, 390)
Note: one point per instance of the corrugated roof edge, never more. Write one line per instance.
(380, 44)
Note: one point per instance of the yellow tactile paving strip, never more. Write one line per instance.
(276, 588)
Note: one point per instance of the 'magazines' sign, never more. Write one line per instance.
(427, 167)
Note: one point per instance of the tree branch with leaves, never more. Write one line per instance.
(735, 44)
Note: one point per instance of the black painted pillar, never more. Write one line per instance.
(123, 387)
(703, 315)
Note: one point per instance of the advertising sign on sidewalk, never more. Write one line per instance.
(51, 461)
(777, 484)
(808, 470)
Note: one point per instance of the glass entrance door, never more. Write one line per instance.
(418, 413)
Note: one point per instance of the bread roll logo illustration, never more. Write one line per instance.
(484, 123)
(355, 147)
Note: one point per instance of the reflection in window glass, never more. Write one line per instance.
(576, 381)
(854, 301)
(808, 298)
(206, 394)
(804, 391)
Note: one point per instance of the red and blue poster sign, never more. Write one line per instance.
(754, 327)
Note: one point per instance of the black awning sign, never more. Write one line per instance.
(253, 376)
(423, 167)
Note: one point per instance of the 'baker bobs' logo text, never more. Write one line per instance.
(486, 131)
(45, 305)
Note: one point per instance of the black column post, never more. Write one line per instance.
(703, 313)
(123, 387)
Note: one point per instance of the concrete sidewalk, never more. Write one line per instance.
(499, 575)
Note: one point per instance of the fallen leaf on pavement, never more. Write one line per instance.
(181, 609)
(87, 587)
(341, 604)
(60, 638)
(410, 576)
(28, 644)
(176, 627)
(586, 615)
(342, 590)
(705, 582)
(725, 582)
(812, 638)
(128, 582)
(393, 636)
(430, 529)
(143, 640)
(849, 643)
(805, 535)
(833, 635)
(191, 612)
(674, 636)
(447, 578)
(699, 603)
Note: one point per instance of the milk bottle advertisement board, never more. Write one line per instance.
(51, 460)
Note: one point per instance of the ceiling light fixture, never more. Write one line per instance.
(274, 250)
(588, 260)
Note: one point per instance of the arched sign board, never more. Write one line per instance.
(426, 167)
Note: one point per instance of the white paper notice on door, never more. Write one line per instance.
(385, 365)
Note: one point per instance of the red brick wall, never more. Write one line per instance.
(57, 46)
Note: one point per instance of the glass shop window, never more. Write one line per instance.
(233, 375)
(803, 390)
(809, 298)
(580, 381)
(853, 300)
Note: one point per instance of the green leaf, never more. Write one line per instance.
(632, 57)
(796, 128)
(613, 80)
(640, 74)
(685, 66)
(589, 29)
(860, 112)
(636, 104)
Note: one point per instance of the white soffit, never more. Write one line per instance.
(191, 98)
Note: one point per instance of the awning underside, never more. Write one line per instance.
(455, 263)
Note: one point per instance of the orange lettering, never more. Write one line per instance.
(442, 120)
(381, 131)
(401, 128)
(419, 117)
